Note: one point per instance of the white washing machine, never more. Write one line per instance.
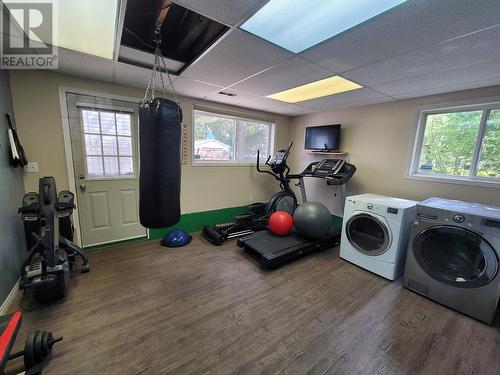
(375, 233)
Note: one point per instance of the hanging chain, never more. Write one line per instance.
(159, 67)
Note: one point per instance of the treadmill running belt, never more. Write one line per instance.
(272, 250)
(265, 242)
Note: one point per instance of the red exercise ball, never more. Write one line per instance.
(281, 223)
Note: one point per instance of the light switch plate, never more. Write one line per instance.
(32, 167)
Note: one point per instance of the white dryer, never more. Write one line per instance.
(375, 233)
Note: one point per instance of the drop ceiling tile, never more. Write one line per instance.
(411, 25)
(274, 106)
(451, 88)
(238, 98)
(230, 12)
(84, 65)
(235, 58)
(241, 100)
(470, 49)
(133, 76)
(462, 75)
(347, 99)
(408, 65)
(194, 89)
(291, 73)
(259, 103)
(292, 110)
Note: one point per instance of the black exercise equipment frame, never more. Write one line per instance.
(51, 257)
(258, 213)
(272, 251)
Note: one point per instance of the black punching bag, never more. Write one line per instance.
(160, 145)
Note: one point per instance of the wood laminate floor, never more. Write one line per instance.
(145, 309)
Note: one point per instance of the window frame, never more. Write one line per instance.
(484, 105)
(236, 115)
(81, 106)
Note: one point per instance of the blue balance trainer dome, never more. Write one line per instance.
(176, 238)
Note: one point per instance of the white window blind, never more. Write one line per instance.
(108, 143)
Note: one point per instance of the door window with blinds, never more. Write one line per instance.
(107, 143)
(229, 139)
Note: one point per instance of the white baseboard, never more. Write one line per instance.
(10, 298)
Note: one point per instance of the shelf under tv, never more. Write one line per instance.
(320, 152)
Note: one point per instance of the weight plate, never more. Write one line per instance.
(29, 355)
(43, 347)
(38, 349)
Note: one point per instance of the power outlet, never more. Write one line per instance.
(32, 167)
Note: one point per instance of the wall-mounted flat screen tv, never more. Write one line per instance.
(323, 138)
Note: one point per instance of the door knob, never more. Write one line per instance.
(81, 176)
(83, 187)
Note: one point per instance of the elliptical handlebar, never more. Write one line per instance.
(288, 151)
(267, 163)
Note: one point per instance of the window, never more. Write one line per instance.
(460, 144)
(221, 138)
(107, 143)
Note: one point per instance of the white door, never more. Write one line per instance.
(105, 159)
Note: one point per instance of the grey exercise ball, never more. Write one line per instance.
(312, 220)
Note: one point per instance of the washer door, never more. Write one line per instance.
(455, 256)
(368, 234)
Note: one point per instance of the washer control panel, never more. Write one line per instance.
(486, 224)
(374, 207)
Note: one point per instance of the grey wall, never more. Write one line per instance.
(12, 242)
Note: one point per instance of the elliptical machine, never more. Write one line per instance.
(51, 255)
(284, 200)
(258, 215)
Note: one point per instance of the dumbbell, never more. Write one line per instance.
(37, 348)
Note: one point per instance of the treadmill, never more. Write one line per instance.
(272, 251)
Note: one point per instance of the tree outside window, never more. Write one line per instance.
(463, 144)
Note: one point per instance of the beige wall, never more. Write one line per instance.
(37, 110)
(379, 139)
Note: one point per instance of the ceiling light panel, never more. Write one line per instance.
(298, 25)
(86, 26)
(318, 89)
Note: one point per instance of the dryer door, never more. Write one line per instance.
(368, 234)
(455, 256)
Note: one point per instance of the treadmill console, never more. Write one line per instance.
(328, 167)
(335, 171)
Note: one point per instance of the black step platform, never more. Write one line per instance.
(272, 251)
